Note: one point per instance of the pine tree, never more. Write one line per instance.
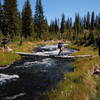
(56, 26)
(77, 25)
(1, 17)
(85, 22)
(40, 24)
(36, 17)
(62, 29)
(11, 18)
(88, 20)
(68, 23)
(5, 25)
(27, 22)
(52, 27)
(99, 21)
(93, 20)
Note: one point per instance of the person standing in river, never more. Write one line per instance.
(98, 44)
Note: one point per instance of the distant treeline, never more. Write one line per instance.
(22, 25)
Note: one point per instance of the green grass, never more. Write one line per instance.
(8, 58)
(79, 84)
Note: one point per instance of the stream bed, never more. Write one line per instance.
(31, 78)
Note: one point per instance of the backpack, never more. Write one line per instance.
(60, 45)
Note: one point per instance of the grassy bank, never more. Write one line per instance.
(80, 84)
(7, 58)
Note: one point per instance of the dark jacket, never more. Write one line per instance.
(60, 45)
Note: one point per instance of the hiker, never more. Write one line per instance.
(98, 44)
(60, 47)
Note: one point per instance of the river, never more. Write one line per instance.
(31, 78)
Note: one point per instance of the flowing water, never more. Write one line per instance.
(31, 78)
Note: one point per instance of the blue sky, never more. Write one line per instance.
(55, 8)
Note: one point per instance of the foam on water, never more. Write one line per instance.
(55, 52)
(51, 47)
(47, 62)
(5, 67)
(5, 78)
(15, 96)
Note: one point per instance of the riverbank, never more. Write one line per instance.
(80, 84)
(7, 58)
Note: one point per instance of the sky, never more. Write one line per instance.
(55, 8)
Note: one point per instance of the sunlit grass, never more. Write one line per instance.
(8, 58)
(80, 84)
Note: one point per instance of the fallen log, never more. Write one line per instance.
(51, 56)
